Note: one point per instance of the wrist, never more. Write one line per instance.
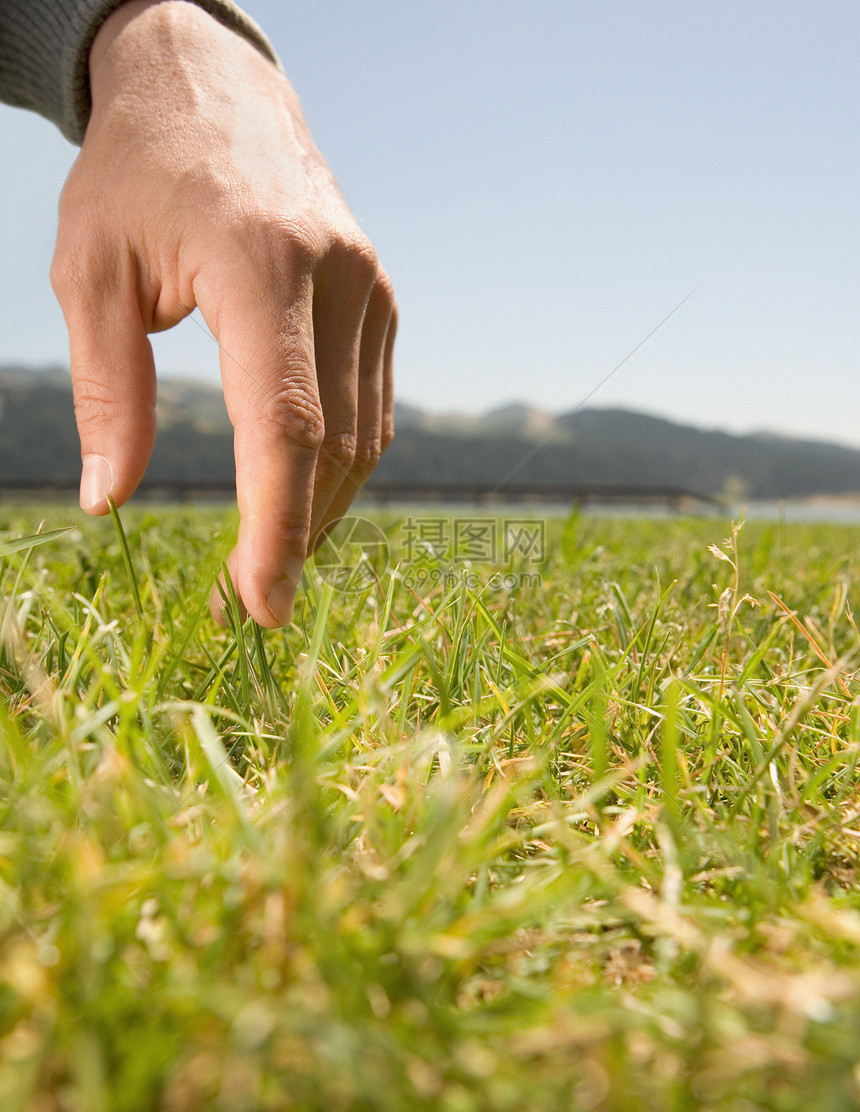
(160, 23)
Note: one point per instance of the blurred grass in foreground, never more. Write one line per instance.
(586, 846)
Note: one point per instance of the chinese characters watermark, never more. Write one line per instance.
(435, 550)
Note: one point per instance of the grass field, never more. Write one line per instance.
(460, 840)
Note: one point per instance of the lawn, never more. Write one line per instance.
(565, 825)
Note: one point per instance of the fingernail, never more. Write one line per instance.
(96, 481)
(280, 600)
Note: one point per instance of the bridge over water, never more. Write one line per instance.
(384, 493)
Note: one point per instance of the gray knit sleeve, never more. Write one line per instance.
(45, 44)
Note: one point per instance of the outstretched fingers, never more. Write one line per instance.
(306, 367)
(113, 373)
(267, 368)
(373, 420)
(342, 285)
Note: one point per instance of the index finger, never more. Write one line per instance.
(267, 370)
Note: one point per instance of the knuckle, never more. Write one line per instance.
(69, 275)
(293, 532)
(387, 434)
(59, 275)
(291, 241)
(392, 324)
(340, 448)
(83, 270)
(365, 259)
(367, 454)
(355, 258)
(385, 290)
(298, 415)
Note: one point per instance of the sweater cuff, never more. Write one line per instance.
(45, 46)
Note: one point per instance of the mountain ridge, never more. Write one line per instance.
(38, 443)
(408, 415)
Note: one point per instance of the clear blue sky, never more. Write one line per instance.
(545, 181)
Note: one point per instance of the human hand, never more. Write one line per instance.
(198, 184)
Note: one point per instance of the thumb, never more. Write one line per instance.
(113, 382)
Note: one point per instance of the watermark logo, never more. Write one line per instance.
(440, 551)
(353, 556)
(435, 551)
(480, 539)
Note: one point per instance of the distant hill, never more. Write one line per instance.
(38, 442)
(616, 446)
(514, 419)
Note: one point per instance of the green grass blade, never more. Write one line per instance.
(126, 556)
